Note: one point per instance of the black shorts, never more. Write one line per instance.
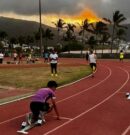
(15, 58)
(92, 65)
(36, 107)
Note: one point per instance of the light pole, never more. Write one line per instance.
(40, 29)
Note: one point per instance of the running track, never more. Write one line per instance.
(92, 106)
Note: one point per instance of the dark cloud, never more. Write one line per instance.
(103, 8)
(24, 7)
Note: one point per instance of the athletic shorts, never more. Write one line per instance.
(38, 106)
(92, 65)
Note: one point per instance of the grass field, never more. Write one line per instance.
(34, 78)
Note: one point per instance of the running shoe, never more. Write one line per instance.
(56, 75)
(23, 125)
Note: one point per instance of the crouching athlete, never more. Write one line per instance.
(43, 101)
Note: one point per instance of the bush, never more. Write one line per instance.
(73, 46)
(70, 55)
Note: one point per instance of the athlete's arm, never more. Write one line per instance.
(55, 108)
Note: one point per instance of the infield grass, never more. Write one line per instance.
(34, 78)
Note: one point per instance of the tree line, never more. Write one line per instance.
(91, 34)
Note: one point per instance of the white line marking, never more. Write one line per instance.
(11, 119)
(15, 100)
(67, 97)
(92, 107)
(126, 131)
(87, 88)
(63, 118)
(128, 128)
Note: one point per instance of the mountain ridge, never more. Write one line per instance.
(16, 27)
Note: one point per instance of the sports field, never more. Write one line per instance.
(20, 80)
(90, 106)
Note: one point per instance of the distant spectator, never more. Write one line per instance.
(15, 55)
(121, 55)
(20, 57)
(92, 61)
(1, 57)
(29, 58)
(46, 56)
(87, 56)
(53, 62)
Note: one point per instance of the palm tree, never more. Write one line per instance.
(118, 18)
(21, 40)
(99, 29)
(92, 41)
(120, 35)
(48, 35)
(3, 35)
(104, 39)
(59, 25)
(13, 40)
(70, 31)
(29, 39)
(37, 37)
(85, 26)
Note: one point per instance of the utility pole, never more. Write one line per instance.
(40, 30)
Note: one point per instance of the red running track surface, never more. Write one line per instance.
(92, 106)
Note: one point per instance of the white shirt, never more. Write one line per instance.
(92, 58)
(15, 55)
(1, 55)
(53, 58)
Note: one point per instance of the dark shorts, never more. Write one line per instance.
(93, 65)
(121, 58)
(37, 107)
(15, 58)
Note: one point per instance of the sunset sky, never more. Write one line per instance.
(72, 11)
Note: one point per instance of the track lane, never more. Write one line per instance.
(21, 107)
(96, 119)
(17, 118)
(50, 124)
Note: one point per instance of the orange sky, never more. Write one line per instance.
(49, 18)
(78, 18)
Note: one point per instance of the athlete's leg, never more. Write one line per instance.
(35, 108)
(51, 68)
(55, 68)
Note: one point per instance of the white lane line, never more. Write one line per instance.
(67, 97)
(80, 115)
(63, 118)
(128, 128)
(6, 121)
(87, 88)
(126, 131)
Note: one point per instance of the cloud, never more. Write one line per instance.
(22, 7)
(103, 8)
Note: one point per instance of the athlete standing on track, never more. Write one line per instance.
(40, 102)
(92, 61)
(53, 62)
(121, 55)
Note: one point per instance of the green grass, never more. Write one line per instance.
(34, 78)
